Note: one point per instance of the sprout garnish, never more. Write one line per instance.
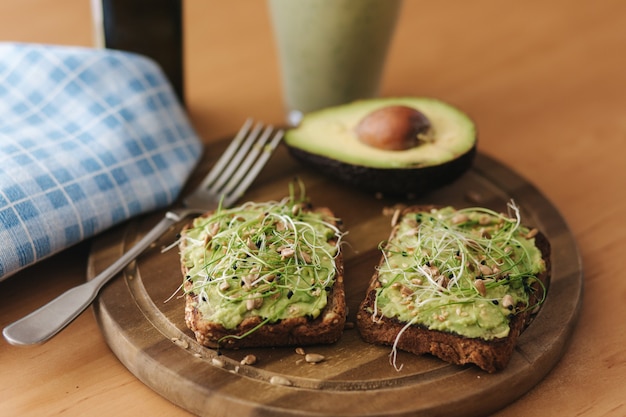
(273, 260)
(450, 270)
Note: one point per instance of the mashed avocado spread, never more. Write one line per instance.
(274, 260)
(464, 271)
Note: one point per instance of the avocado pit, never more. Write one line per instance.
(393, 128)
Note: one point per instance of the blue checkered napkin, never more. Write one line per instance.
(88, 139)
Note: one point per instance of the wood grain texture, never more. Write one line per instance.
(144, 325)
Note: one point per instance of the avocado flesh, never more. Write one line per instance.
(330, 133)
(325, 141)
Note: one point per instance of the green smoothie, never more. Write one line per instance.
(331, 51)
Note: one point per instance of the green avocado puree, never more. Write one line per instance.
(273, 260)
(464, 271)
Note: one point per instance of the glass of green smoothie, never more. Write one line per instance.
(331, 51)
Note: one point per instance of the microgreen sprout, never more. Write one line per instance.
(272, 260)
(241, 336)
(451, 264)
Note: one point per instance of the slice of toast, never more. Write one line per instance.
(264, 275)
(462, 294)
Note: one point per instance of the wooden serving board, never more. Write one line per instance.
(143, 324)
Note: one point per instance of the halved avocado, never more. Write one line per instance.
(396, 146)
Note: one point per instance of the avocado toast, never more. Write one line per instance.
(264, 274)
(458, 284)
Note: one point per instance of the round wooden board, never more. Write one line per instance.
(144, 325)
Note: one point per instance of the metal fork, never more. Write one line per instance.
(229, 178)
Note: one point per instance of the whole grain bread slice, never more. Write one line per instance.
(490, 355)
(326, 328)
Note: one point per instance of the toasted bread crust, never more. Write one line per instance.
(325, 329)
(491, 356)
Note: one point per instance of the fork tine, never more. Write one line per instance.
(250, 147)
(235, 161)
(227, 155)
(244, 166)
(265, 153)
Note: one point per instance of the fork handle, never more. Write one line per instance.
(45, 322)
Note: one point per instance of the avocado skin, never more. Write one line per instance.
(405, 182)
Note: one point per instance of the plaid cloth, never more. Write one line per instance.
(88, 139)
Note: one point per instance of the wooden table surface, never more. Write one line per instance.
(545, 82)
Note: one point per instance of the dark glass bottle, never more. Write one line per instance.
(148, 27)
